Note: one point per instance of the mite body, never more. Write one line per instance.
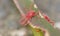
(28, 16)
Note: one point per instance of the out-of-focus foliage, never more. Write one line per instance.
(50, 7)
(10, 15)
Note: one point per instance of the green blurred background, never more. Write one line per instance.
(9, 16)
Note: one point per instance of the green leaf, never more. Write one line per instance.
(36, 31)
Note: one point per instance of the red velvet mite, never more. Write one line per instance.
(28, 16)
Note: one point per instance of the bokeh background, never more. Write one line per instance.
(9, 16)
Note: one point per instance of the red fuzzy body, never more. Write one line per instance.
(29, 15)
